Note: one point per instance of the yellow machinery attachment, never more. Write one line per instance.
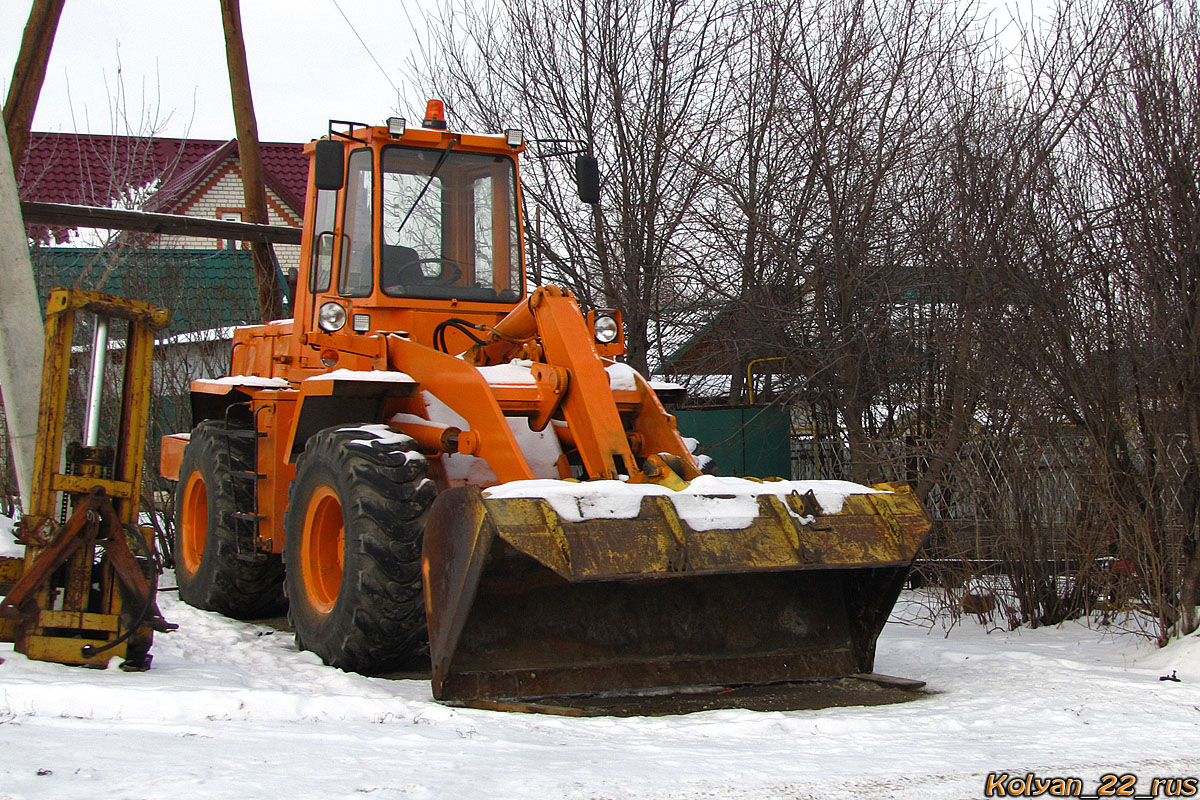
(64, 604)
(523, 603)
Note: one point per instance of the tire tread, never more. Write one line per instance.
(225, 583)
(377, 624)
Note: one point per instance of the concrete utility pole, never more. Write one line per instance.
(22, 342)
(265, 277)
(29, 73)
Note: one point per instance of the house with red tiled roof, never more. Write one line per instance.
(207, 283)
(191, 177)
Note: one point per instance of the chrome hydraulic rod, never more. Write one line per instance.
(91, 422)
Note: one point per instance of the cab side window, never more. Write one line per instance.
(322, 266)
(356, 279)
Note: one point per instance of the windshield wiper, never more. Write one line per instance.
(441, 160)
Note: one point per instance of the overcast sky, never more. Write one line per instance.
(306, 65)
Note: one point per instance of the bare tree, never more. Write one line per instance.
(1100, 312)
(635, 83)
(1145, 142)
(866, 91)
(748, 191)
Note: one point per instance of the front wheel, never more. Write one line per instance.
(356, 514)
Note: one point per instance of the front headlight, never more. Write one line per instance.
(605, 328)
(331, 317)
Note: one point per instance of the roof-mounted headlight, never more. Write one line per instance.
(515, 137)
(396, 126)
(331, 317)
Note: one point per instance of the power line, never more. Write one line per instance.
(382, 71)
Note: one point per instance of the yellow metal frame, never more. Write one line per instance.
(55, 622)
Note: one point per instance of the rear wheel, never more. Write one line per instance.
(208, 570)
(356, 514)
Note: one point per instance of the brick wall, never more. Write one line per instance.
(223, 192)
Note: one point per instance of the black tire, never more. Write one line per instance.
(365, 613)
(207, 568)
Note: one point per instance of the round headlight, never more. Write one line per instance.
(605, 329)
(331, 317)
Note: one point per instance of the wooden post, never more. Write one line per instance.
(29, 73)
(265, 277)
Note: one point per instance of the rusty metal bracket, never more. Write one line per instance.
(806, 504)
(33, 529)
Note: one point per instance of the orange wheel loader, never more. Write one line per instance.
(431, 455)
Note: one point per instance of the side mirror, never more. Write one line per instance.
(587, 178)
(329, 166)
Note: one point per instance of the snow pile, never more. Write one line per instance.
(233, 710)
(380, 434)
(517, 372)
(622, 377)
(708, 503)
(217, 670)
(251, 381)
(373, 375)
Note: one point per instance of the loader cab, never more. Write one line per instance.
(405, 227)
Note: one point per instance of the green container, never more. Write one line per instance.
(744, 441)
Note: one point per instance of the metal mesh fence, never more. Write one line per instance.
(1041, 529)
(1000, 493)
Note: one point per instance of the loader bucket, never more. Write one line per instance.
(522, 603)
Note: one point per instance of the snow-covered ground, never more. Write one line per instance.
(233, 710)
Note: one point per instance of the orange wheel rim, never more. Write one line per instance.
(193, 527)
(321, 549)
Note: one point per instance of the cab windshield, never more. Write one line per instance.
(449, 225)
